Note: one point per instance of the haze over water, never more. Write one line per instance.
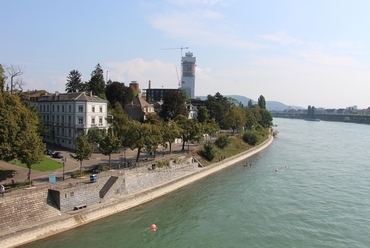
(319, 198)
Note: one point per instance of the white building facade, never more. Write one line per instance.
(66, 115)
(188, 74)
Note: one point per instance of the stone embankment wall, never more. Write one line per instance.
(129, 181)
(59, 221)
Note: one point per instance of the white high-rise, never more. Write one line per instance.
(188, 74)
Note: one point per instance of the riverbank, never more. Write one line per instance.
(69, 220)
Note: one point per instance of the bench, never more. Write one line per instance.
(8, 189)
(80, 206)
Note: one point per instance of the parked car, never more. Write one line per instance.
(49, 152)
(57, 155)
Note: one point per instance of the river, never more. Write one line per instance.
(318, 198)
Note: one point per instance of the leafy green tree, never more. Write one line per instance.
(121, 124)
(218, 106)
(210, 127)
(203, 114)
(95, 135)
(253, 116)
(31, 151)
(208, 151)
(250, 137)
(109, 144)
(222, 141)
(143, 135)
(83, 151)
(262, 102)
(16, 121)
(118, 92)
(173, 105)
(190, 129)
(74, 82)
(170, 132)
(266, 118)
(97, 83)
(236, 118)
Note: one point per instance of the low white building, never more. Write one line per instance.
(66, 115)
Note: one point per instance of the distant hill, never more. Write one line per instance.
(270, 105)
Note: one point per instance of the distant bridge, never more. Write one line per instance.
(352, 118)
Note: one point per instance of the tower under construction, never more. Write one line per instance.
(188, 74)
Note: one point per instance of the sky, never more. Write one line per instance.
(297, 52)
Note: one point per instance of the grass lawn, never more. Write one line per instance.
(46, 165)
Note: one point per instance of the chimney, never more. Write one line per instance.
(90, 93)
(150, 84)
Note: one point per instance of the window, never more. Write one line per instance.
(53, 108)
(80, 120)
(93, 109)
(47, 107)
(58, 119)
(63, 119)
(92, 119)
(69, 108)
(101, 109)
(101, 121)
(58, 131)
(69, 133)
(62, 108)
(52, 118)
(57, 108)
(40, 108)
(80, 108)
(62, 133)
(69, 120)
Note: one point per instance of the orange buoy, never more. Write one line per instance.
(153, 227)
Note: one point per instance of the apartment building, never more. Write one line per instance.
(66, 115)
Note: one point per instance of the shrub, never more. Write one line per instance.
(250, 137)
(208, 151)
(222, 141)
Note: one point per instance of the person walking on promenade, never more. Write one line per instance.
(2, 190)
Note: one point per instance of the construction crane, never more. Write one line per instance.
(173, 48)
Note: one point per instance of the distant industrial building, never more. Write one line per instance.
(188, 75)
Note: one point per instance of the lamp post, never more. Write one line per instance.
(124, 152)
(64, 160)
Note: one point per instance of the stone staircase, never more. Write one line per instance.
(26, 208)
(107, 186)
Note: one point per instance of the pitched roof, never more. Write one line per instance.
(72, 96)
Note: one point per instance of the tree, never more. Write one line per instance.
(121, 124)
(170, 131)
(266, 118)
(218, 106)
(31, 151)
(118, 92)
(262, 102)
(253, 116)
(97, 83)
(14, 71)
(173, 105)
(236, 118)
(190, 129)
(250, 103)
(203, 114)
(74, 82)
(83, 151)
(2, 78)
(109, 144)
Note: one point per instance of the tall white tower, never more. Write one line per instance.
(188, 74)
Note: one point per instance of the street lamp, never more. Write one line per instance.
(64, 160)
(124, 152)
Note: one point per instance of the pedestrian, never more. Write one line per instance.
(2, 190)
(13, 181)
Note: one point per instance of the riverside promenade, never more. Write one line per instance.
(61, 221)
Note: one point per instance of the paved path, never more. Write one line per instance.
(42, 177)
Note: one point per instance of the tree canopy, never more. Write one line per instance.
(173, 105)
(74, 82)
(118, 92)
(97, 83)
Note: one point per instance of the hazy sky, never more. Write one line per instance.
(296, 52)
